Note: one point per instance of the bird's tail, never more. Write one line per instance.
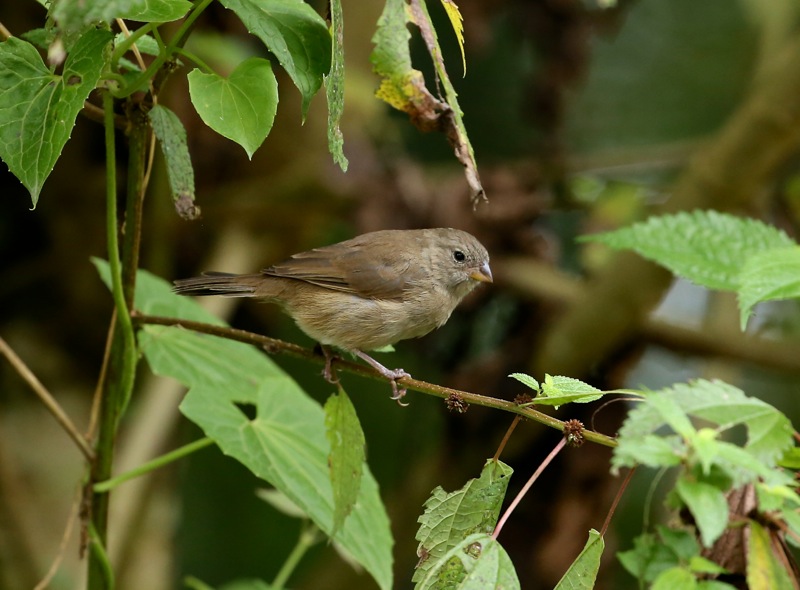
(219, 283)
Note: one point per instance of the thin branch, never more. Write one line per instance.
(62, 546)
(47, 399)
(617, 498)
(547, 460)
(274, 346)
(507, 436)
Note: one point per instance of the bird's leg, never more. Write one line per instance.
(398, 392)
(328, 373)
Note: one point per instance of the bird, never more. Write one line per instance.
(365, 293)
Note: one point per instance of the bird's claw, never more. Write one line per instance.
(327, 372)
(398, 391)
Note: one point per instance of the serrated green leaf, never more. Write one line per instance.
(285, 444)
(38, 108)
(172, 137)
(334, 86)
(648, 449)
(558, 390)
(672, 414)
(526, 380)
(450, 517)
(478, 562)
(295, 34)
(768, 276)
(769, 432)
(582, 573)
(75, 14)
(764, 572)
(705, 247)
(708, 507)
(791, 459)
(241, 107)
(347, 456)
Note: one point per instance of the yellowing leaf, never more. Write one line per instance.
(454, 14)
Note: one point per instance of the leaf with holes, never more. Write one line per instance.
(257, 414)
(38, 108)
(450, 517)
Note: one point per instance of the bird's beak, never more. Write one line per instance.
(482, 274)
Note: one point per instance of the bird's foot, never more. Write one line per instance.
(398, 391)
(328, 372)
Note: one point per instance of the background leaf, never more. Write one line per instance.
(767, 276)
(705, 247)
(75, 14)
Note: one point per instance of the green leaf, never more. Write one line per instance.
(701, 565)
(347, 456)
(248, 585)
(648, 449)
(241, 108)
(295, 34)
(582, 573)
(648, 558)
(708, 507)
(75, 14)
(284, 444)
(768, 276)
(558, 390)
(451, 517)
(172, 136)
(478, 562)
(681, 542)
(705, 247)
(334, 86)
(769, 432)
(764, 572)
(675, 578)
(526, 380)
(38, 108)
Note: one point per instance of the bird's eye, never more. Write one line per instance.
(459, 256)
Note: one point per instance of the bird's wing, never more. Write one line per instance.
(371, 270)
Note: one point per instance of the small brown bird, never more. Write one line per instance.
(368, 292)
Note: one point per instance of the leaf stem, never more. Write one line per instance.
(152, 465)
(275, 346)
(309, 535)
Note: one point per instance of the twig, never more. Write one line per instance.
(527, 486)
(47, 399)
(62, 546)
(275, 346)
(617, 498)
(503, 442)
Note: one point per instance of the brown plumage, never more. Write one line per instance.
(368, 292)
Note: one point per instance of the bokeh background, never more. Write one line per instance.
(583, 118)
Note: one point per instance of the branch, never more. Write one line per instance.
(47, 399)
(274, 346)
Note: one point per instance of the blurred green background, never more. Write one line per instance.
(583, 118)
